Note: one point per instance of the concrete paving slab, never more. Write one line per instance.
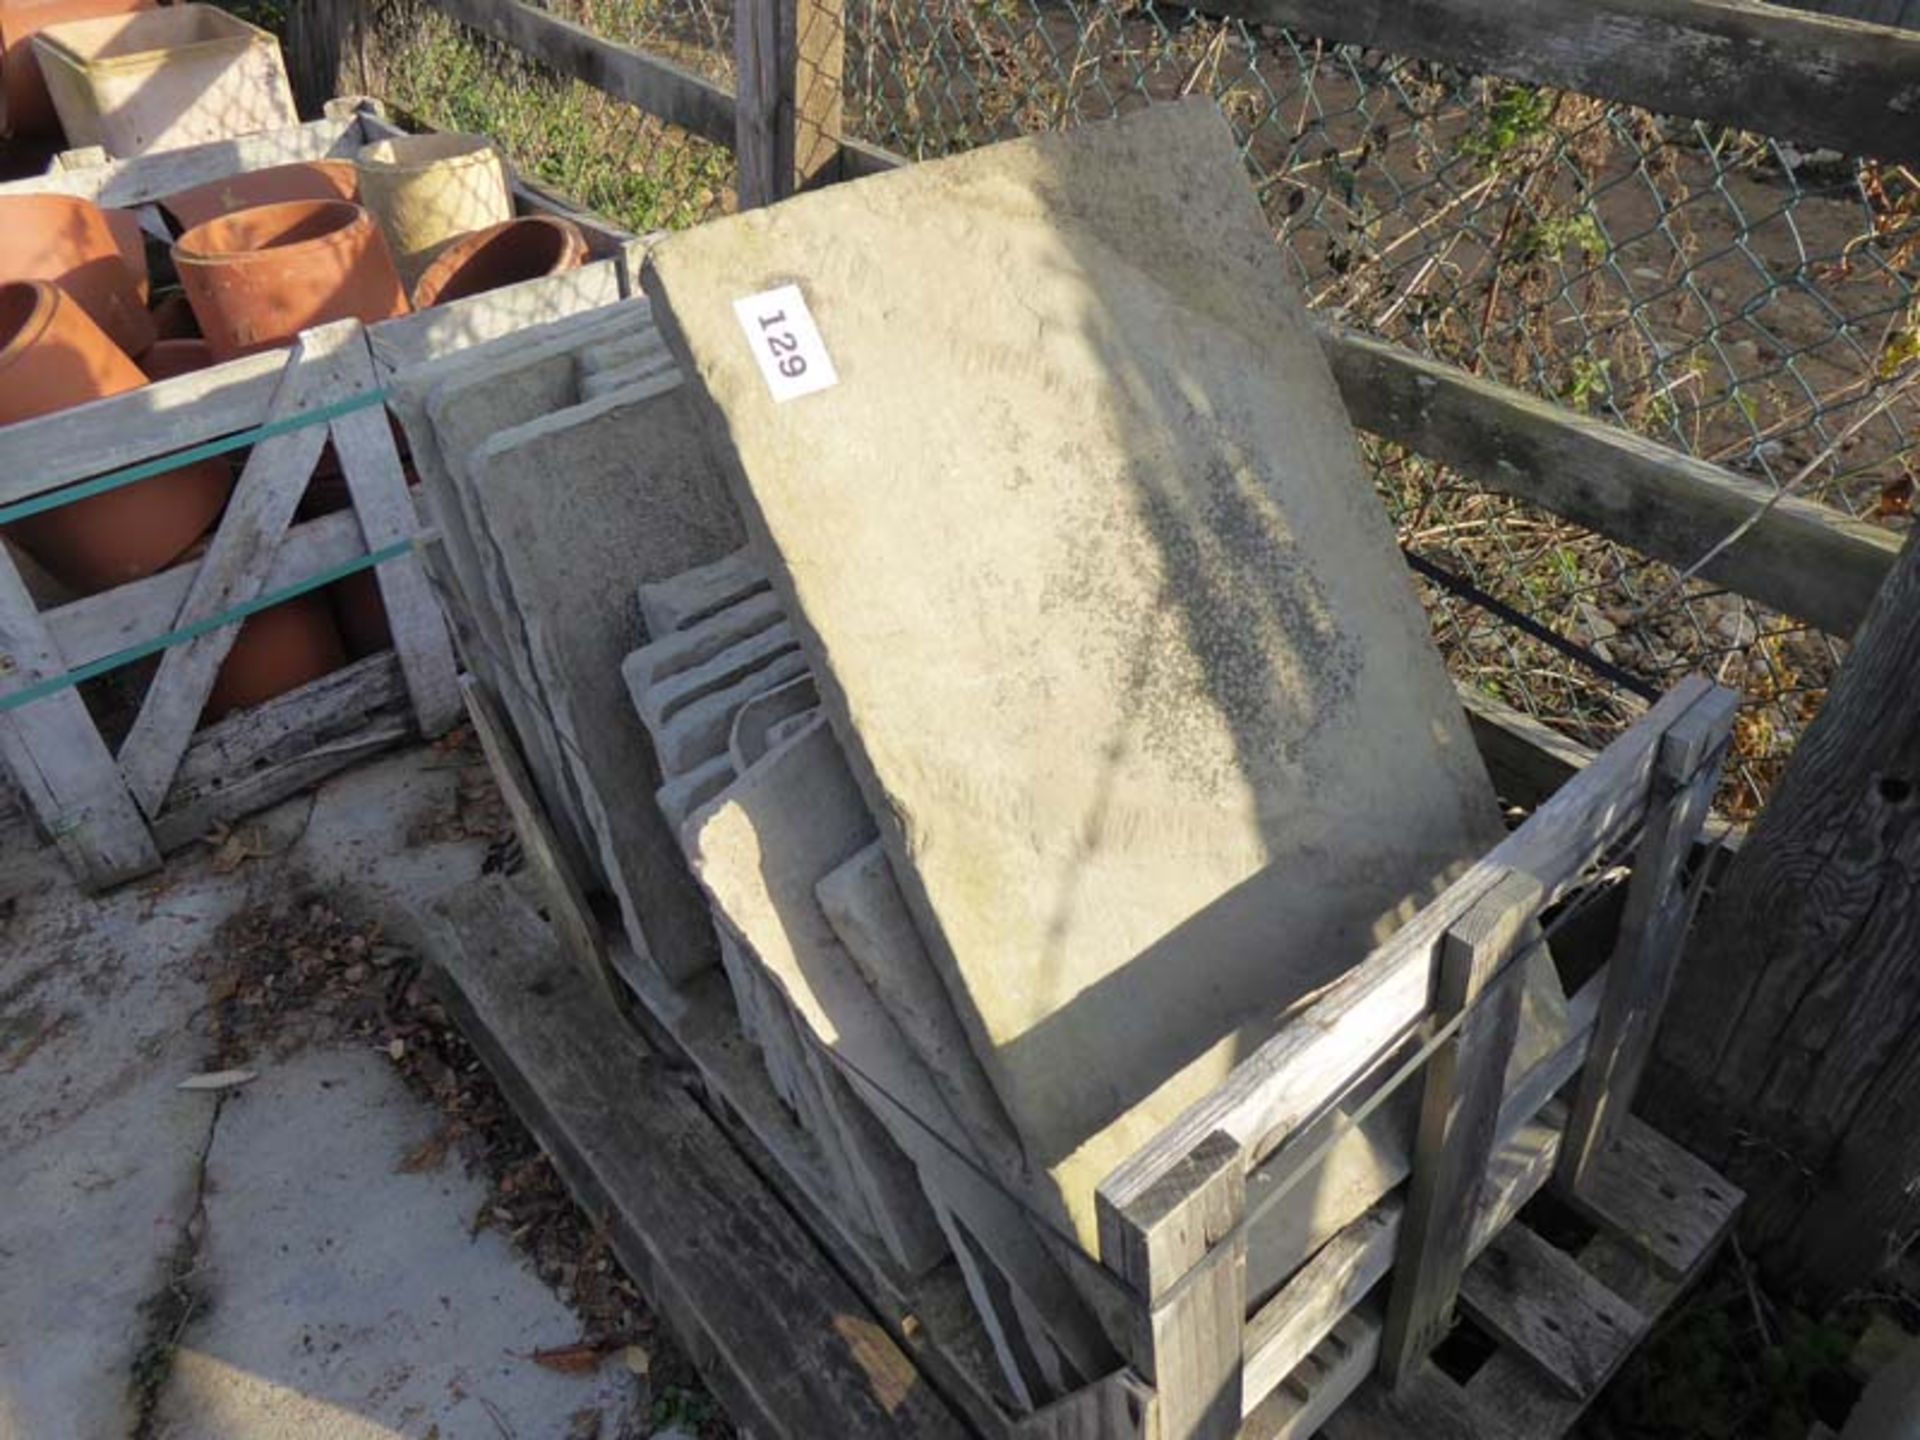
(349, 1299)
(336, 1297)
(686, 599)
(1064, 503)
(580, 507)
(756, 723)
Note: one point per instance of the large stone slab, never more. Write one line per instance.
(464, 397)
(580, 507)
(761, 849)
(1098, 598)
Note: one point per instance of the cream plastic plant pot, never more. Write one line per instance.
(161, 79)
(428, 190)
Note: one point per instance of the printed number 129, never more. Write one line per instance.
(786, 343)
(783, 344)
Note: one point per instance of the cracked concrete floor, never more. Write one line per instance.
(333, 1295)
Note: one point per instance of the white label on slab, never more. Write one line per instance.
(786, 342)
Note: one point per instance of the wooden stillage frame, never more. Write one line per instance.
(1173, 1217)
(113, 814)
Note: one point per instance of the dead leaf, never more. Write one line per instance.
(581, 1358)
(637, 1359)
(219, 1080)
(429, 1154)
(396, 1049)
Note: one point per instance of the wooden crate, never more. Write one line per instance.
(1343, 1344)
(1174, 1218)
(114, 812)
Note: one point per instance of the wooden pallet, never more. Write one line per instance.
(114, 810)
(1548, 1318)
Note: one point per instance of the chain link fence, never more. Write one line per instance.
(609, 157)
(1723, 293)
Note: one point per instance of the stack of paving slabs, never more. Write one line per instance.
(563, 466)
(828, 974)
(1132, 734)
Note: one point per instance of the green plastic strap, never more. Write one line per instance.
(55, 684)
(147, 469)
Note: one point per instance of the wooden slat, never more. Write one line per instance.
(1641, 971)
(1337, 1367)
(63, 768)
(238, 558)
(267, 752)
(1540, 1302)
(1287, 1328)
(97, 626)
(1759, 67)
(42, 454)
(763, 104)
(1802, 558)
(1183, 1249)
(1661, 1197)
(658, 86)
(443, 329)
(568, 909)
(1460, 1110)
(1119, 1407)
(1521, 1165)
(1298, 1070)
(788, 1346)
(363, 440)
(143, 178)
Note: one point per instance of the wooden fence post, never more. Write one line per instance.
(788, 64)
(1791, 1053)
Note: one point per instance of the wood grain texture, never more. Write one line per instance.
(1793, 1041)
(323, 369)
(1120, 1407)
(96, 626)
(1659, 907)
(1479, 985)
(1368, 1009)
(568, 909)
(660, 87)
(65, 771)
(263, 754)
(144, 178)
(1539, 1302)
(788, 1346)
(363, 441)
(763, 102)
(1802, 558)
(1784, 73)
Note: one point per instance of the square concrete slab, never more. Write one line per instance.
(1061, 497)
(580, 507)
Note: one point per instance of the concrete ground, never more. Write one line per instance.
(261, 1261)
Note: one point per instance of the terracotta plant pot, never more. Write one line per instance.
(170, 359)
(73, 243)
(277, 650)
(361, 614)
(51, 357)
(504, 254)
(428, 190)
(132, 241)
(303, 180)
(258, 277)
(173, 317)
(25, 106)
